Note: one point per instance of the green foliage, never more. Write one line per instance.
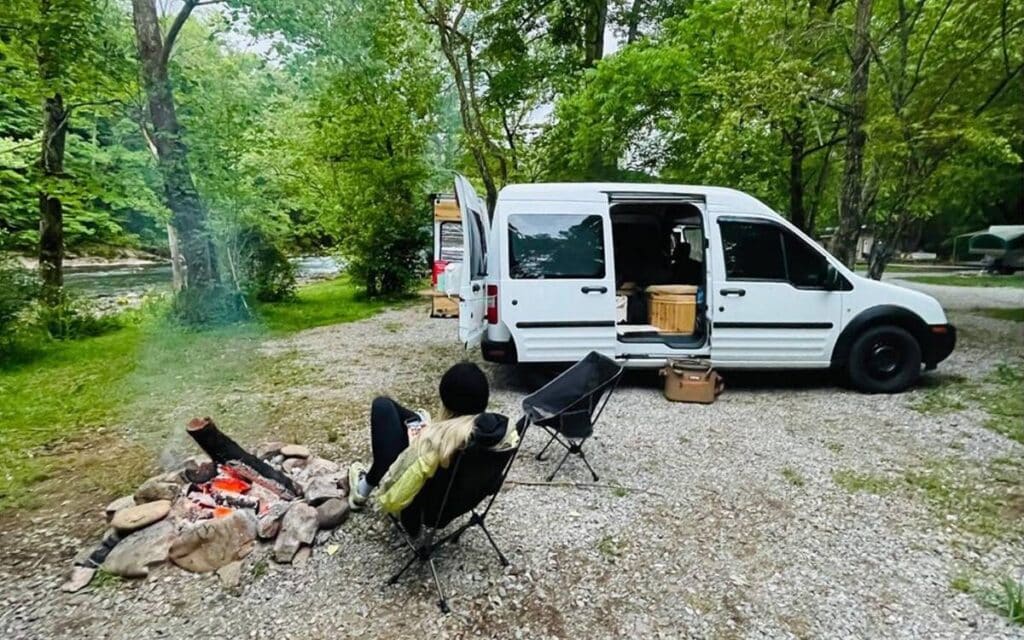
(72, 317)
(323, 303)
(1008, 600)
(18, 289)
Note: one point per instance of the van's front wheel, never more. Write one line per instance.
(884, 359)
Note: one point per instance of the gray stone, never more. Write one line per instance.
(302, 556)
(159, 488)
(133, 556)
(230, 574)
(332, 513)
(270, 522)
(141, 515)
(298, 527)
(293, 465)
(295, 451)
(268, 449)
(322, 466)
(80, 577)
(209, 545)
(121, 503)
(321, 489)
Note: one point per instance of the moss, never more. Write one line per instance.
(793, 477)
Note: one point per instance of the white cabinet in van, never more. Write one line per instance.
(542, 274)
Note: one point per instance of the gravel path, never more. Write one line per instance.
(964, 297)
(709, 539)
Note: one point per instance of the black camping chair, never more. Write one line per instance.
(473, 475)
(569, 406)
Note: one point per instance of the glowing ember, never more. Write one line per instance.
(230, 483)
(222, 512)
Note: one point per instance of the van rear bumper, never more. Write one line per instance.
(943, 339)
(498, 351)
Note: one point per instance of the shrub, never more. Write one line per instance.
(266, 273)
(73, 317)
(18, 289)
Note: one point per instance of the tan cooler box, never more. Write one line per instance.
(672, 307)
(691, 381)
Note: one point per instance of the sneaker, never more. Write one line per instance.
(356, 472)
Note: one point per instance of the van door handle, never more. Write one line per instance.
(594, 289)
(476, 288)
(733, 292)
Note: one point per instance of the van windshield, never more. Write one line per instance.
(550, 246)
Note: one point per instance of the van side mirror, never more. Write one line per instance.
(833, 280)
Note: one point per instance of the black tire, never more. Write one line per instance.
(884, 359)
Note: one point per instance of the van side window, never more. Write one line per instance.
(752, 251)
(806, 267)
(478, 240)
(543, 246)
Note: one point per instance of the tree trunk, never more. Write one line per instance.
(593, 31)
(633, 21)
(844, 243)
(188, 213)
(51, 210)
(797, 212)
(177, 263)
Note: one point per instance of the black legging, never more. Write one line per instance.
(388, 436)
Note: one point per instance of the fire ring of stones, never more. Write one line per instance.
(210, 514)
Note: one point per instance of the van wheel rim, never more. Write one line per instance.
(885, 360)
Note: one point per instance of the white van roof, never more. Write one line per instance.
(718, 199)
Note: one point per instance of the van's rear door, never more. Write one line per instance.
(472, 288)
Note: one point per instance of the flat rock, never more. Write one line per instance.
(295, 451)
(293, 465)
(322, 466)
(302, 556)
(80, 577)
(270, 522)
(230, 575)
(133, 556)
(123, 502)
(298, 527)
(209, 545)
(268, 449)
(160, 488)
(141, 515)
(322, 489)
(332, 513)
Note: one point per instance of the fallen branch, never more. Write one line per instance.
(595, 485)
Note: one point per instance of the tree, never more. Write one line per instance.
(188, 212)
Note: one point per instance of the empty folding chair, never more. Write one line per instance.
(569, 406)
(474, 474)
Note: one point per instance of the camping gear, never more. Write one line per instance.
(672, 307)
(689, 380)
(621, 303)
(473, 475)
(569, 406)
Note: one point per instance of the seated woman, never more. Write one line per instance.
(405, 455)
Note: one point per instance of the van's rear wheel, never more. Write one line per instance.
(884, 359)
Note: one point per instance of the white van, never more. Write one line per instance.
(539, 280)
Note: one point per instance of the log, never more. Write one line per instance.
(224, 450)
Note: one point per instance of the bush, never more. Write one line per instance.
(18, 290)
(266, 273)
(73, 317)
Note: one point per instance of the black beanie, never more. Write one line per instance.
(464, 390)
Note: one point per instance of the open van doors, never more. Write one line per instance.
(476, 228)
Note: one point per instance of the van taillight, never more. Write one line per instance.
(492, 304)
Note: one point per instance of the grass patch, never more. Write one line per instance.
(105, 580)
(1008, 600)
(793, 477)
(972, 280)
(862, 482)
(609, 547)
(324, 303)
(58, 399)
(1013, 315)
(1003, 399)
(962, 582)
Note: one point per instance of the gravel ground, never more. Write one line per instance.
(959, 298)
(707, 539)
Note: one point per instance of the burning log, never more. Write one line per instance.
(226, 451)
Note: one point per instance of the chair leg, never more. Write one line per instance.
(564, 458)
(393, 579)
(583, 457)
(442, 603)
(540, 456)
(501, 556)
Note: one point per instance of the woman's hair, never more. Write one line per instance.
(464, 393)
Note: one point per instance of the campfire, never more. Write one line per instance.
(210, 514)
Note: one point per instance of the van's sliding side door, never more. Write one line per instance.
(557, 292)
(476, 229)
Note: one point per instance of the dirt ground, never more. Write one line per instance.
(792, 507)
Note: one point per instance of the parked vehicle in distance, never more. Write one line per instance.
(706, 272)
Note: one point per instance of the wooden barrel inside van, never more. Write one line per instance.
(672, 307)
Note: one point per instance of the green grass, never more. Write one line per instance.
(793, 477)
(1013, 315)
(1003, 399)
(59, 400)
(962, 582)
(324, 303)
(972, 280)
(1008, 600)
(855, 482)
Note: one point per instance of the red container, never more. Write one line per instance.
(439, 267)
